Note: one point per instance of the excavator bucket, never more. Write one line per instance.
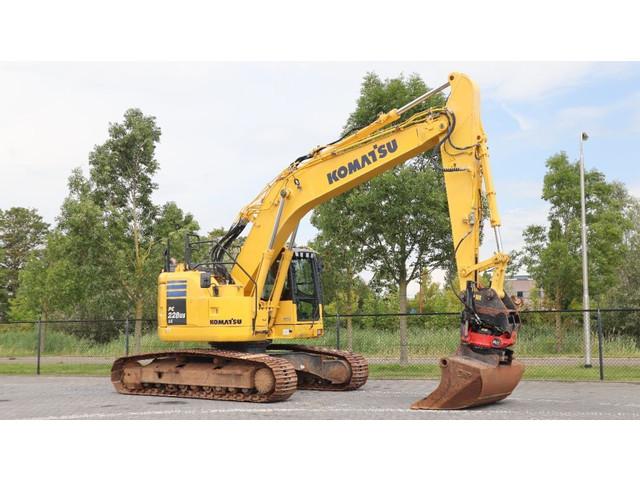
(469, 380)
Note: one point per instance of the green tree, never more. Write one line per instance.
(432, 297)
(22, 230)
(122, 171)
(108, 244)
(625, 290)
(397, 224)
(341, 265)
(45, 291)
(4, 294)
(552, 253)
(76, 276)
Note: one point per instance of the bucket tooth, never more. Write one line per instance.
(468, 382)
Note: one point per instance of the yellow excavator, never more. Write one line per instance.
(240, 304)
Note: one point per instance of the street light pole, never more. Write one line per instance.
(585, 269)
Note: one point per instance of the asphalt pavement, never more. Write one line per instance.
(68, 398)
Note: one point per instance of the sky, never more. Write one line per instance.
(229, 128)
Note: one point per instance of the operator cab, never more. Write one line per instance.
(302, 286)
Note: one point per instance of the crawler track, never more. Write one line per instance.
(359, 368)
(283, 371)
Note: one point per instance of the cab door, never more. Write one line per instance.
(306, 293)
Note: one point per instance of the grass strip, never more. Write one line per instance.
(618, 373)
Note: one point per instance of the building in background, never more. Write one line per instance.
(523, 289)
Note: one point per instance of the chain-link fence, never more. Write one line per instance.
(551, 344)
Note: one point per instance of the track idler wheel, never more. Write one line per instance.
(470, 380)
(264, 380)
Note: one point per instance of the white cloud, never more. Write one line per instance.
(521, 188)
(556, 129)
(634, 190)
(597, 118)
(505, 82)
(569, 115)
(514, 221)
(524, 123)
(531, 82)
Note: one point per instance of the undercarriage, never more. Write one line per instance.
(218, 374)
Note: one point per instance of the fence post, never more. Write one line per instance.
(126, 337)
(600, 356)
(38, 349)
(337, 331)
